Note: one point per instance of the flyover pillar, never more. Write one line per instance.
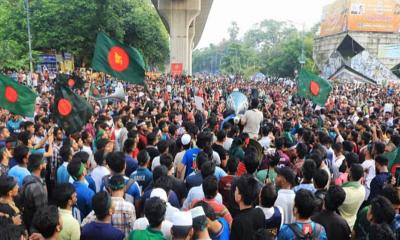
(180, 14)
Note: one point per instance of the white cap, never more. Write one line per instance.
(182, 219)
(197, 212)
(185, 139)
(159, 192)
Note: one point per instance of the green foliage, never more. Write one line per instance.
(271, 47)
(72, 26)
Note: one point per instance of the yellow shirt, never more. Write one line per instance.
(70, 226)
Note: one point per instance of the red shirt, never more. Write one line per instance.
(224, 188)
(219, 209)
(241, 169)
(135, 152)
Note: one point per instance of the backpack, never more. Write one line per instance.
(106, 179)
(303, 234)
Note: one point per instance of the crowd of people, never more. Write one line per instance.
(156, 165)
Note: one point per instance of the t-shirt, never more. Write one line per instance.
(143, 176)
(62, 173)
(19, 173)
(223, 233)
(355, 194)
(246, 223)
(253, 119)
(286, 233)
(101, 231)
(285, 200)
(335, 226)
(84, 198)
(148, 234)
(97, 174)
(224, 187)
(262, 175)
(188, 159)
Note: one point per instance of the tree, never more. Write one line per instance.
(72, 25)
(233, 31)
(272, 47)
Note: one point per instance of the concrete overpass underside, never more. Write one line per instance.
(185, 21)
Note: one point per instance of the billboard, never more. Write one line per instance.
(334, 18)
(361, 16)
(374, 16)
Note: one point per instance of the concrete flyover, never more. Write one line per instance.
(185, 21)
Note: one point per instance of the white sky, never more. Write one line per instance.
(248, 12)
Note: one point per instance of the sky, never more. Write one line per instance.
(249, 12)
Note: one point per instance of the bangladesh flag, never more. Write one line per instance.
(16, 98)
(73, 81)
(71, 111)
(118, 60)
(313, 87)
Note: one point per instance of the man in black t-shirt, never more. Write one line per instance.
(335, 225)
(218, 147)
(249, 219)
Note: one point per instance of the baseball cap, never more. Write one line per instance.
(287, 173)
(185, 139)
(160, 193)
(182, 219)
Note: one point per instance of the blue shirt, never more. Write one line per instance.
(92, 184)
(13, 126)
(131, 164)
(143, 176)
(223, 234)
(188, 159)
(101, 231)
(19, 173)
(62, 174)
(286, 232)
(84, 196)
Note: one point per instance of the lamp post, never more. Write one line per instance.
(29, 42)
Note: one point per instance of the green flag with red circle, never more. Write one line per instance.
(17, 98)
(313, 87)
(71, 111)
(71, 81)
(118, 60)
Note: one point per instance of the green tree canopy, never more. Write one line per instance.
(271, 47)
(72, 25)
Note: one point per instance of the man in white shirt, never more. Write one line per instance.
(285, 181)
(369, 169)
(100, 170)
(252, 120)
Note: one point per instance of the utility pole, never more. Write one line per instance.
(302, 59)
(29, 79)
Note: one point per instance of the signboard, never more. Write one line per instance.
(334, 18)
(176, 69)
(199, 102)
(374, 16)
(361, 16)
